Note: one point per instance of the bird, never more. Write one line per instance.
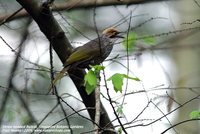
(93, 52)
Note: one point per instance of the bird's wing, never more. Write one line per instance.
(83, 53)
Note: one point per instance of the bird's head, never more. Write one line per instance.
(112, 33)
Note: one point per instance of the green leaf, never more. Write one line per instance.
(119, 130)
(89, 88)
(129, 43)
(120, 109)
(132, 78)
(195, 114)
(91, 78)
(90, 81)
(117, 81)
(98, 68)
(150, 40)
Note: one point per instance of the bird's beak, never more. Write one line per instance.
(118, 35)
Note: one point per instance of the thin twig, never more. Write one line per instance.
(47, 115)
(8, 18)
(187, 102)
(10, 86)
(179, 123)
(164, 115)
(110, 100)
(127, 57)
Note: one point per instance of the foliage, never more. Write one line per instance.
(195, 114)
(91, 78)
(90, 81)
(120, 109)
(119, 130)
(117, 80)
(150, 40)
(130, 41)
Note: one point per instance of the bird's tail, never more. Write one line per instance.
(57, 77)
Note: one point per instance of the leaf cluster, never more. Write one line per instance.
(130, 41)
(117, 79)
